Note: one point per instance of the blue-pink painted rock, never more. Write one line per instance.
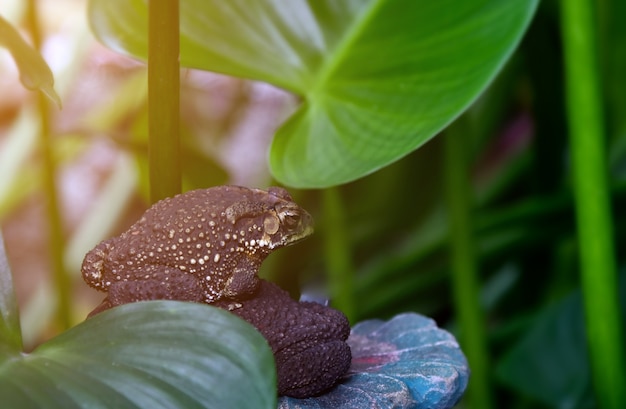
(406, 362)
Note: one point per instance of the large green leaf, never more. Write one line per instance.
(378, 77)
(158, 354)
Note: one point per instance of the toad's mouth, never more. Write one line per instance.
(296, 238)
(291, 239)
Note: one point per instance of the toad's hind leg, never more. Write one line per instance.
(313, 370)
(158, 283)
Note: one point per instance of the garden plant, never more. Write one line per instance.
(464, 160)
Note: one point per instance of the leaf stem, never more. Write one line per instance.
(164, 99)
(56, 239)
(337, 254)
(594, 221)
(465, 281)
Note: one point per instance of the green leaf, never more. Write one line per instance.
(34, 72)
(10, 333)
(157, 354)
(378, 78)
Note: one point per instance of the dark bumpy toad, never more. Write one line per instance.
(307, 339)
(201, 246)
(207, 246)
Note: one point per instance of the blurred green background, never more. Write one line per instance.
(385, 243)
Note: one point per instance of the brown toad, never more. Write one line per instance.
(202, 246)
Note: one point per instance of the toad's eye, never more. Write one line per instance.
(289, 216)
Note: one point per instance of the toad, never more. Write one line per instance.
(201, 246)
(207, 246)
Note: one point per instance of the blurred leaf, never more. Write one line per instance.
(379, 78)
(198, 168)
(19, 143)
(159, 354)
(104, 213)
(407, 271)
(19, 165)
(10, 334)
(550, 363)
(34, 72)
(613, 42)
(120, 103)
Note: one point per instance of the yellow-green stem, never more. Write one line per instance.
(337, 253)
(56, 240)
(594, 221)
(464, 267)
(163, 99)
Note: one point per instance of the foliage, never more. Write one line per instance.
(383, 239)
(372, 74)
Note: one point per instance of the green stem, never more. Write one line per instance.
(465, 281)
(337, 254)
(56, 241)
(163, 99)
(594, 221)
